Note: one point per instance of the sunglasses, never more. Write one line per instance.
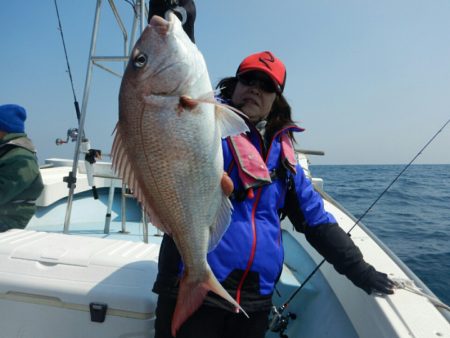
(259, 80)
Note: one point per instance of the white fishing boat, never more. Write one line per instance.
(86, 263)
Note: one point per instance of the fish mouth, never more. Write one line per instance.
(165, 25)
(161, 25)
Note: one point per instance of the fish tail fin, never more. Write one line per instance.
(192, 294)
(218, 289)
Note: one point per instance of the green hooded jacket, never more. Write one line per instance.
(20, 181)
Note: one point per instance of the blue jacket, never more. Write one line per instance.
(253, 240)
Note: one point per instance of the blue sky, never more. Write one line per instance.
(369, 80)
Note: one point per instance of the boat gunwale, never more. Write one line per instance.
(406, 270)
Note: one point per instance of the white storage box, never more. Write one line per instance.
(57, 286)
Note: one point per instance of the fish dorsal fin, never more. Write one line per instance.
(223, 220)
(122, 167)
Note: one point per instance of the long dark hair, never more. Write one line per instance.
(279, 117)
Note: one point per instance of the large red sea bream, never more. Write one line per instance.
(168, 150)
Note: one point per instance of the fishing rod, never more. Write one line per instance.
(77, 135)
(77, 106)
(279, 322)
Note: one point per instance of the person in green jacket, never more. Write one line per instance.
(20, 179)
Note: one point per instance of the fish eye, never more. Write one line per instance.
(140, 60)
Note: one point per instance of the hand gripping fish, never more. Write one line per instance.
(169, 152)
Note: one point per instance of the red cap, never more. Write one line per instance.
(269, 64)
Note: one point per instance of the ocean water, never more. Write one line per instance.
(412, 218)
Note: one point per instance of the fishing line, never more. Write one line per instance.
(77, 107)
(285, 305)
(400, 174)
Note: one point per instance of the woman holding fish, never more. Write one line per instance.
(263, 181)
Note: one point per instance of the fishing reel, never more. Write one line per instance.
(90, 158)
(279, 322)
(72, 134)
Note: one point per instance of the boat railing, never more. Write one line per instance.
(303, 161)
(104, 170)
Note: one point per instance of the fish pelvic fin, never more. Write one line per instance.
(191, 296)
(222, 223)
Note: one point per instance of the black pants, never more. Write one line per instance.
(210, 322)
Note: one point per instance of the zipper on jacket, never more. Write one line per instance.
(253, 250)
(265, 155)
(255, 205)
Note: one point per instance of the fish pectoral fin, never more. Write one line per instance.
(190, 103)
(228, 117)
(229, 120)
(222, 223)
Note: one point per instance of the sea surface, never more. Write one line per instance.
(412, 218)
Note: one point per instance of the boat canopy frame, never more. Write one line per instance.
(82, 143)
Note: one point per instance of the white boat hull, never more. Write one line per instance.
(329, 305)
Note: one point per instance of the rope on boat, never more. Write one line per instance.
(408, 285)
